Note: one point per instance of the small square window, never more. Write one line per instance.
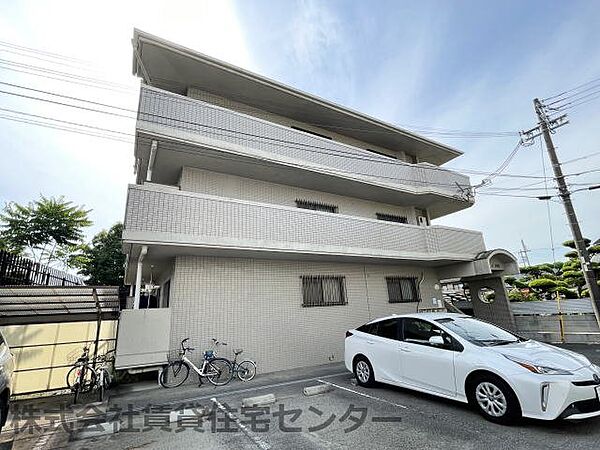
(402, 289)
(323, 290)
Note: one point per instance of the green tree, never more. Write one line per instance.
(543, 286)
(43, 227)
(102, 261)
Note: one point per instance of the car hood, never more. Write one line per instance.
(543, 355)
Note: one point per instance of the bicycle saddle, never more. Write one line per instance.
(238, 351)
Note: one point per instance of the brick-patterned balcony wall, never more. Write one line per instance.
(186, 217)
(187, 118)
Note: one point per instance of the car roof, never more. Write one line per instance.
(422, 315)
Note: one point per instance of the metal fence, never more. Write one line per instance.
(47, 326)
(18, 271)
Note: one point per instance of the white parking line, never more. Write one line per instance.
(252, 389)
(254, 438)
(362, 394)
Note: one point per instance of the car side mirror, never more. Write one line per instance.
(436, 341)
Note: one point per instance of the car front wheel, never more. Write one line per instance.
(363, 371)
(495, 400)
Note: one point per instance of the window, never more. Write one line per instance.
(479, 333)
(419, 331)
(381, 153)
(312, 132)
(411, 158)
(388, 329)
(316, 206)
(384, 328)
(402, 289)
(392, 218)
(323, 290)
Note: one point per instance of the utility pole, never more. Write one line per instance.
(524, 254)
(545, 127)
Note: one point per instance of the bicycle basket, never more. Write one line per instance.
(209, 354)
(173, 355)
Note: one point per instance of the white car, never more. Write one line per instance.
(459, 357)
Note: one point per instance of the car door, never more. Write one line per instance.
(424, 365)
(383, 346)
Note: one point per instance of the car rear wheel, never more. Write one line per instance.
(363, 371)
(494, 399)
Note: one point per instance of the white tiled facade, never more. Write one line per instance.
(214, 213)
(231, 186)
(256, 304)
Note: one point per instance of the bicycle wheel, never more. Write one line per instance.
(174, 374)
(103, 385)
(72, 376)
(84, 381)
(246, 370)
(219, 371)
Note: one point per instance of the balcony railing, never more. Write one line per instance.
(172, 217)
(193, 120)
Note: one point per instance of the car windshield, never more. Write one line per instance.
(478, 332)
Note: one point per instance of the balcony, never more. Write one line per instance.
(181, 222)
(204, 135)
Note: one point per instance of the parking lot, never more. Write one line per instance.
(345, 416)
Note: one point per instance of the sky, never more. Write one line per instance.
(461, 65)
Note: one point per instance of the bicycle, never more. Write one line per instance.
(216, 370)
(84, 377)
(246, 370)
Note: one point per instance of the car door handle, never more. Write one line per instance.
(370, 342)
(405, 349)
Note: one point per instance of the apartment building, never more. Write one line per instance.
(275, 220)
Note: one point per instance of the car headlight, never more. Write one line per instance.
(535, 368)
(596, 368)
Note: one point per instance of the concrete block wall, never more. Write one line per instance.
(231, 186)
(257, 305)
(578, 328)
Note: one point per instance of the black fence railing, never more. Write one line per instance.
(19, 271)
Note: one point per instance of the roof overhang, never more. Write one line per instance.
(490, 263)
(174, 68)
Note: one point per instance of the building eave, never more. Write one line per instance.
(203, 74)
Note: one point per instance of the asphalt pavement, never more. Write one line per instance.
(347, 416)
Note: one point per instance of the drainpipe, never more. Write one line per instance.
(138, 277)
(151, 159)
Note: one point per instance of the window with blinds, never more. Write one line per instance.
(392, 218)
(402, 289)
(316, 206)
(323, 290)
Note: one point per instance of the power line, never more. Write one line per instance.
(42, 52)
(571, 90)
(68, 122)
(497, 172)
(295, 145)
(57, 127)
(442, 132)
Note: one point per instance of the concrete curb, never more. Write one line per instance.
(317, 389)
(99, 429)
(260, 400)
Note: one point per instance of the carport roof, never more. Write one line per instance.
(174, 68)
